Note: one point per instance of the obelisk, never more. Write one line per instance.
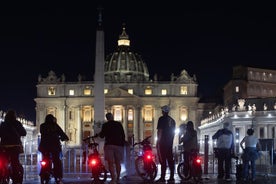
(99, 101)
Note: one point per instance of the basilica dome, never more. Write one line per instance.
(124, 65)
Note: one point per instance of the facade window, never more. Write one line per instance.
(164, 92)
(71, 92)
(183, 90)
(183, 113)
(237, 89)
(87, 113)
(118, 114)
(273, 133)
(51, 91)
(148, 113)
(70, 115)
(87, 92)
(148, 91)
(105, 91)
(130, 115)
(262, 132)
(130, 91)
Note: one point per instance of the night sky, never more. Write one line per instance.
(205, 39)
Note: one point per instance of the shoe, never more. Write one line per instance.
(171, 180)
(228, 179)
(161, 180)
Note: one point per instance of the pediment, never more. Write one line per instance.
(118, 92)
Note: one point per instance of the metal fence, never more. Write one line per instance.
(74, 162)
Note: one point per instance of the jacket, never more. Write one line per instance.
(11, 132)
(51, 135)
(225, 139)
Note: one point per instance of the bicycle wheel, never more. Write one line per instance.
(4, 176)
(102, 173)
(197, 173)
(44, 178)
(151, 172)
(139, 166)
(183, 172)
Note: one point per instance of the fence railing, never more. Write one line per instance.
(74, 162)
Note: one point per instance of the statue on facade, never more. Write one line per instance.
(265, 107)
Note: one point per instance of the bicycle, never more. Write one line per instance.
(144, 163)
(47, 170)
(98, 170)
(192, 169)
(6, 172)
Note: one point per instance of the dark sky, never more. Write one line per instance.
(205, 39)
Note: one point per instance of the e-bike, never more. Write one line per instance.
(98, 170)
(192, 169)
(144, 163)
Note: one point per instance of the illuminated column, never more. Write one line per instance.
(155, 121)
(136, 123)
(141, 124)
(125, 120)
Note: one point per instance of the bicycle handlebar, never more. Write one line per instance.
(145, 141)
(91, 137)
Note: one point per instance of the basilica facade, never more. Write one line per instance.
(130, 94)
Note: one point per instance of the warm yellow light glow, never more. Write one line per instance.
(183, 90)
(163, 91)
(148, 114)
(87, 92)
(148, 91)
(118, 114)
(183, 114)
(130, 91)
(130, 115)
(51, 91)
(123, 42)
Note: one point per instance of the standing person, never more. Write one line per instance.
(165, 133)
(114, 135)
(190, 143)
(225, 145)
(51, 135)
(250, 145)
(11, 131)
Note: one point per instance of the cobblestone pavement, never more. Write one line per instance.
(211, 178)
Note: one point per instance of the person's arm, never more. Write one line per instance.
(232, 144)
(20, 129)
(63, 136)
(159, 135)
(197, 145)
(217, 134)
(101, 134)
(241, 143)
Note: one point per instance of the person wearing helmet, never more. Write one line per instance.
(165, 132)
